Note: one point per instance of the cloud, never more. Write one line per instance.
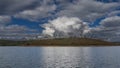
(17, 32)
(113, 22)
(114, 13)
(9, 7)
(88, 10)
(14, 29)
(6, 27)
(109, 29)
(37, 13)
(71, 17)
(65, 27)
(4, 19)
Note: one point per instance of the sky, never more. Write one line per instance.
(60, 18)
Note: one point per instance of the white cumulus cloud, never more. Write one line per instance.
(65, 26)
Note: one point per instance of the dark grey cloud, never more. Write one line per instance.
(88, 10)
(114, 13)
(36, 14)
(8, 7)
(4, 20)
(15, 29)
(44, 10)
(109, 29)
(6, 28)
(17, 32)
(111, 22)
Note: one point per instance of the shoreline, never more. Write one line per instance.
(60, 45)
(61, 42)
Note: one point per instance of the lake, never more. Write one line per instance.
(60, 57)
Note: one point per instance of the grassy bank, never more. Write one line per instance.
(58, 42)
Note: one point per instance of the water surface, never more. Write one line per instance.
(59, 57)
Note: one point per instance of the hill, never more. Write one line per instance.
(58, 42)
(11, 43)
(69, 42)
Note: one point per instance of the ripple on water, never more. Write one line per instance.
(59, 57)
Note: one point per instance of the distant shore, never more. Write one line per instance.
(59, 42)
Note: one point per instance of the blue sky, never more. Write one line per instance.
(43, 17)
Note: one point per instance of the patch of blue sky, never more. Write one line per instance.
(97, 22)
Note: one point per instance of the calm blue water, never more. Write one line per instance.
(59, 57)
